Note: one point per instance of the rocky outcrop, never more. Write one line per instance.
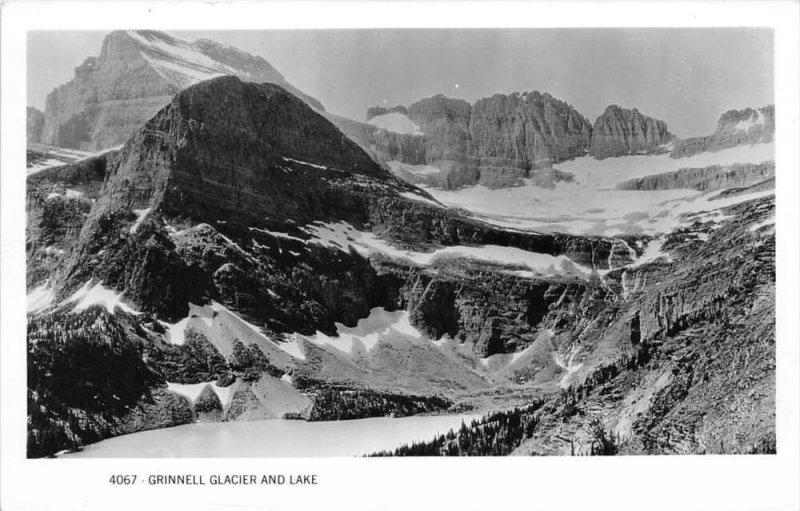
(135, 75)
(735, 127)
(375, 111)
(621, 132)
(35, 124)
(715, 177)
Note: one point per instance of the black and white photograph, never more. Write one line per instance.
(392, 242)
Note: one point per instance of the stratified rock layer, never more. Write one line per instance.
(710, 178)
(620, 132)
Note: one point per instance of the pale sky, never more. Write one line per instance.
(686, 77)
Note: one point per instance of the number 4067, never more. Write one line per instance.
(122, 479)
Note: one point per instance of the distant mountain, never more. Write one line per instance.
(621, 132)
(135, 75)
(735, 127)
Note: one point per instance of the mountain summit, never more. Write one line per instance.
(137, 73)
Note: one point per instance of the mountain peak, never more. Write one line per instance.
(137, 73)
(622, 131)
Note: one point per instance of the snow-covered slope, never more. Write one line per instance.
(591, 204)
(183, 62)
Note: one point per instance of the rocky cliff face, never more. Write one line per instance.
(620, 132)
(445, 123)
(136, 73)
(498, 140)
(715, 177)
(34, 125)
(515, 134)
(735, 127)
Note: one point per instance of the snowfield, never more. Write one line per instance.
(40, 298)
(179, 62)
(591, 204)
(397, 123)
(609, 172)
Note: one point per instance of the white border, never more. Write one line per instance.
(714, 482)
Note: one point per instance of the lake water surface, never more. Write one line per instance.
(274, 438)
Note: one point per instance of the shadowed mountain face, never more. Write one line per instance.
(135, 75)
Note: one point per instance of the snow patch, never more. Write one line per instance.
(276, 234)
(292, 346)
(653, 252)
(140, 216)
(368, 332)
(755, 119)
(568, 364)
(320, 167)
(44, 165)
(98, 294)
